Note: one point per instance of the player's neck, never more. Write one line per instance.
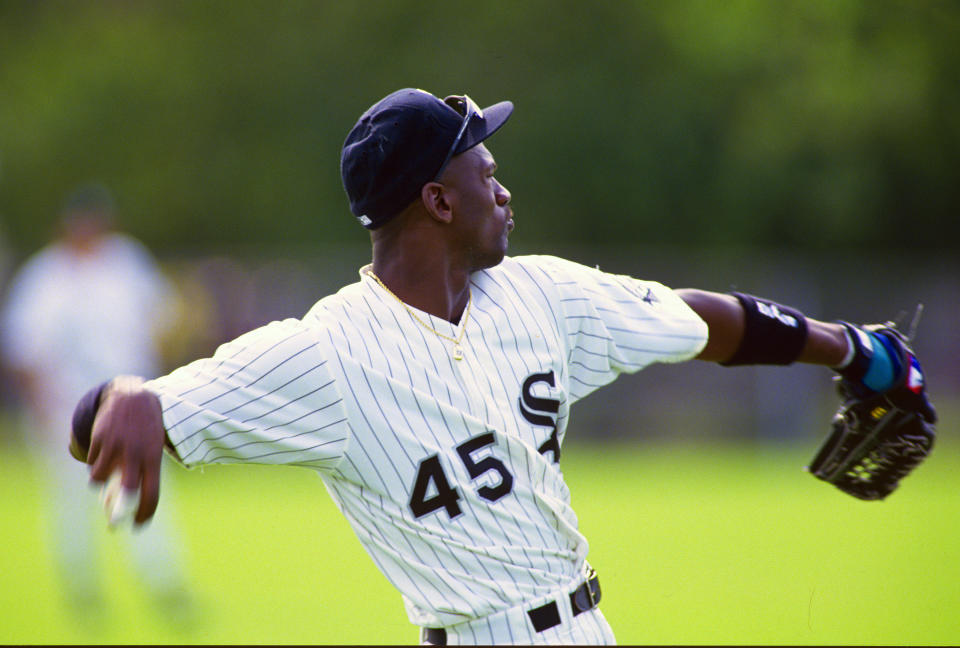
(425, 281)
(416, 261)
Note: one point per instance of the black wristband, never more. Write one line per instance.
(772, 333)
(84, 414)
(859, 364)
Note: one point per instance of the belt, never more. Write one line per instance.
(583, 599)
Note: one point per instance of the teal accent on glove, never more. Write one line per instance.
(884, 366)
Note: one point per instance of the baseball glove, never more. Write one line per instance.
(877, 439)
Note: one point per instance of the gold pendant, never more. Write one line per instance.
(457, 352)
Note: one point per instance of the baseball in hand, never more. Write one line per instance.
(119, 504)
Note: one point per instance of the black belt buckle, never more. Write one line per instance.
(587, 596)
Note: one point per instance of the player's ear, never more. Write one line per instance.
(436, 200)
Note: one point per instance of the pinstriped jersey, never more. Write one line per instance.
(447, 470)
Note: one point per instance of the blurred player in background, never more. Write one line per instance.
(90, 304)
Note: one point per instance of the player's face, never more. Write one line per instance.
(482, 216)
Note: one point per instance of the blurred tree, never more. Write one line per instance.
(809, 124)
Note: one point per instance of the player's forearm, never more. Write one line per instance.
(825, 342)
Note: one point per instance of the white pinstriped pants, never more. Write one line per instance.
(513, 626)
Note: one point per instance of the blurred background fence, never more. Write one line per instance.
(808, 151)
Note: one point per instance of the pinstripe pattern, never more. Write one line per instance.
(361, 392)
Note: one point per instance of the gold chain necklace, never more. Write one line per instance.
(457, 348)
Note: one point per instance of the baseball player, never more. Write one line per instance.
(432, 396)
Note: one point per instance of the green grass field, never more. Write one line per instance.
(694, 545)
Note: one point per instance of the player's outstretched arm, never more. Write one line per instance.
(822, 343)
(885, 425)
(119, 426)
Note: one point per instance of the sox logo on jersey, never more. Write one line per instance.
(542, 411)
(448, 471)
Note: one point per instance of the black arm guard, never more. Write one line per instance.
(772, 333)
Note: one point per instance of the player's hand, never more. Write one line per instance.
(128, 436)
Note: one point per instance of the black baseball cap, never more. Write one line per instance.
(91, 196)
(401, 143)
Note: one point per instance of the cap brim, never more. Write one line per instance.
(494, 117)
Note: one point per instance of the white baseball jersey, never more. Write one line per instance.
(448, 471)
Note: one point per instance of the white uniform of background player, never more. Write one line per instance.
(88, 306)
(375, 402)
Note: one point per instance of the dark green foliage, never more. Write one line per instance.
(817, 125)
